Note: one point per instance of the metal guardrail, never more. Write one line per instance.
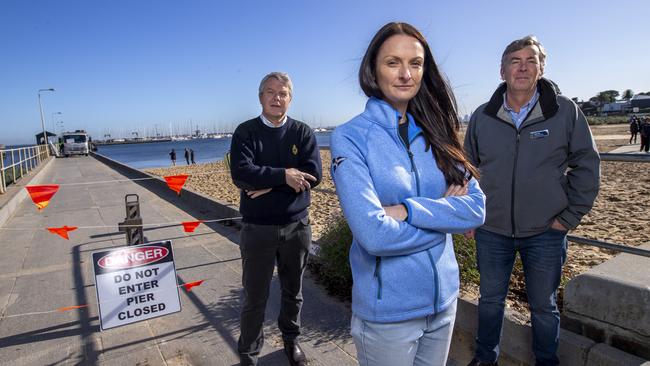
(16, 162)
(611, 246)
(631, 158)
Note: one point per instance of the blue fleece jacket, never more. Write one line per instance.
(401, 270)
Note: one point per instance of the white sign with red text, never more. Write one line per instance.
(135, 283)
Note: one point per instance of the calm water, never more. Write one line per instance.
(156, 154)
(7, 157)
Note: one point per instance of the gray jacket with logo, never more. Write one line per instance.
(548, 168)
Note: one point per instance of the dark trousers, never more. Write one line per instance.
(262, 246)
(542, 256)
(645, 143)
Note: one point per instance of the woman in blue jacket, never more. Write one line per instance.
(404, 184)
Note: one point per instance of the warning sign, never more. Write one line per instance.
(135, 283)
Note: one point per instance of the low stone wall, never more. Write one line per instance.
(610, 304)
(575, 348)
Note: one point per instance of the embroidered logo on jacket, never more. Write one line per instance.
(294, 150)
(336, 162)
(536, 135)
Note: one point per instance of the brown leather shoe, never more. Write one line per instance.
(476, 362)
(295, 354)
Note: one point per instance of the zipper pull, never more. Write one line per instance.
(377, 262)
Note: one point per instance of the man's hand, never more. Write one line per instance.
(256, 193)
(558, 226)
(456, 190)
(298, 180)
(398, 212)
(470, 234)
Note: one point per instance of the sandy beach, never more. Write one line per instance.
(619, 215)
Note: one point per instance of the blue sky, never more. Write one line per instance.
(124, 65)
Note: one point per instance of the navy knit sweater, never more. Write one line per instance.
(259, 156)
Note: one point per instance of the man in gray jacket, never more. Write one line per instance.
(540, 172)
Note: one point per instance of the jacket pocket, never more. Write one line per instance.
(436, 287)
(378, 276)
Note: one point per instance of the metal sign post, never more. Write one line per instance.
(132, 224)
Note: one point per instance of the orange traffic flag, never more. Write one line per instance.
(190, 226)
(42, 194)
(176, 182)
(189, 285)
(62, 231)
(71, 308)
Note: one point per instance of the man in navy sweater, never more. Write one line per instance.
(275, 162)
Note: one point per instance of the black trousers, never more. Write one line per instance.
(645, 143)
(262, 246)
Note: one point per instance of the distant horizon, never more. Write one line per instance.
(119, 67)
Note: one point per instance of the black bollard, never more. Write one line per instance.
(132, 224)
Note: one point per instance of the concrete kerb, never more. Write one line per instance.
(604, 355)
(516, 340)
(609, 304)
(10, 200)
(515, 348)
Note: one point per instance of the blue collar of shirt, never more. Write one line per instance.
(518, 118)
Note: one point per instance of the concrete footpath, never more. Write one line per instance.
(628, 149)
(41, 272)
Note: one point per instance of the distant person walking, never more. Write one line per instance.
(192, 156)
(634, 128)
(187, 156)
(645, 134)
(172, 155)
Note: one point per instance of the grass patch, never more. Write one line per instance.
(610, 120)
(332, 267)
(465, 250)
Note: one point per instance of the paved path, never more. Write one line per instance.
(628, 149)
(40, 272)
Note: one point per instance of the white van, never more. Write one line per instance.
(77, 142)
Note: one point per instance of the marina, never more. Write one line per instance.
(155, 154)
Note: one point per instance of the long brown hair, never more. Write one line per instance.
(433, 107)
